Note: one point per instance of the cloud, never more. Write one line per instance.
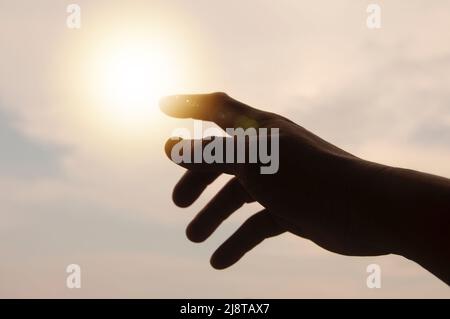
(25, 158)
(102, 199)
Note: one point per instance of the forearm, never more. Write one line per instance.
(419, 204)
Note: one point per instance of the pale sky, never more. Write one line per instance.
(79, 186)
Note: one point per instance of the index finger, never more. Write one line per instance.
(215, 107)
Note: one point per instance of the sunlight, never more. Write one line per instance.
(129, 78)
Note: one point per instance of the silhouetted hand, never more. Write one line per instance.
(342, 203)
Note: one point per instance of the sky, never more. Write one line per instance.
(80, 185)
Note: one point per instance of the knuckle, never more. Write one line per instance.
(219, 96)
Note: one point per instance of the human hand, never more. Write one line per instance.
(342, 203)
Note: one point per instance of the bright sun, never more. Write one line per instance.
(130, 77)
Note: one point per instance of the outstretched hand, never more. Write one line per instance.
(343, 203)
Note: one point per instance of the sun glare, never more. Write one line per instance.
(130, 78)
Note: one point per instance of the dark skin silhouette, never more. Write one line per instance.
(343, 203)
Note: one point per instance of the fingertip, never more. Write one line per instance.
(163, 102)
(218, 262)
(181, 201)
(182, 195)
(168, 104)
(217, 265)
(170, 143)
(193, 235)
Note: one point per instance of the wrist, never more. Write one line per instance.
(419, 208)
